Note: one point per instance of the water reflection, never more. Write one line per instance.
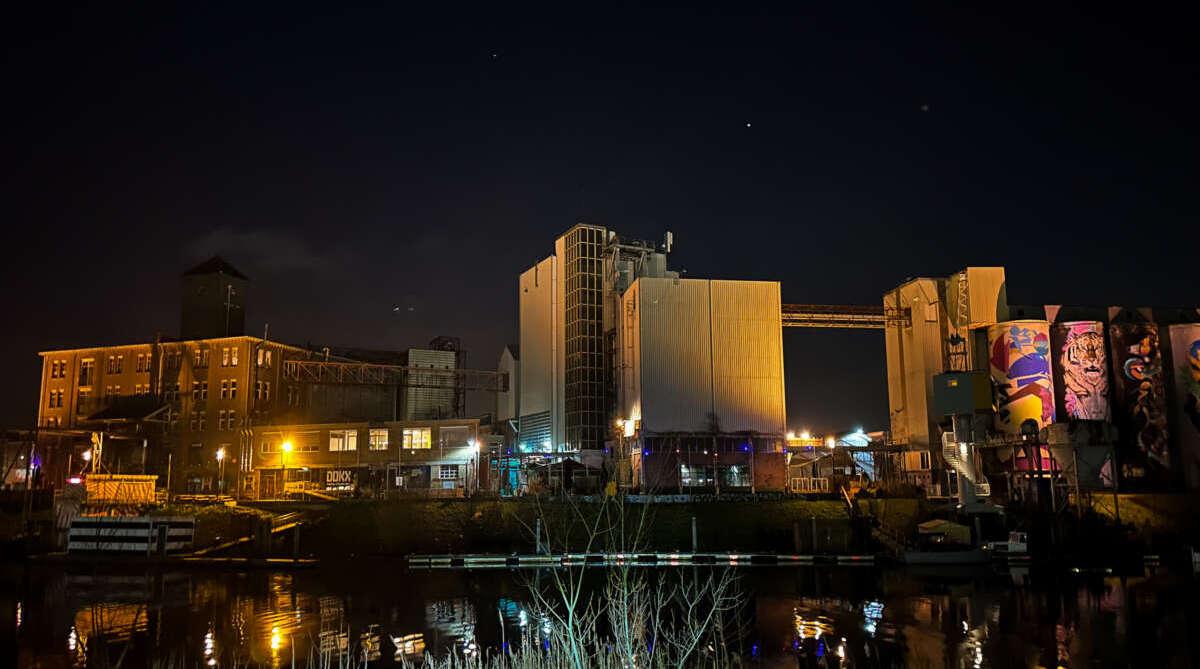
(798, 618)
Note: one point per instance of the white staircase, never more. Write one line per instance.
(966, 472)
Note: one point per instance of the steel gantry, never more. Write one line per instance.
(855, 317)
(361, 373)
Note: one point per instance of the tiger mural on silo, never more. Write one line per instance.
(1082, 370)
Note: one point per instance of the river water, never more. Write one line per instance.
(792, 617)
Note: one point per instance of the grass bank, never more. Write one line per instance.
(493, 526)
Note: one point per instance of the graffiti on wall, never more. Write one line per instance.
(1082, 370)
(1139, 398)
(1185, 355)
(1020, 369)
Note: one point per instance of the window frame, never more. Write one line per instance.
(348, 439)
(409, 435)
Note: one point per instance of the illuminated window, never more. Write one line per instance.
(737, 476)
(343, 440)
(200, 358)
(379, 439)
(221, 420)
(87, 372)
(115, 364)
(924, 459)
(233, 356)
(695, 476)
(447, 472)
(225, 356)
(417, 437)
(270, 445)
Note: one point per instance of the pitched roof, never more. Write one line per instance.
(216, 265)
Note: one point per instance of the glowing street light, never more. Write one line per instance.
(87, 455)
(284, 449)
(221, 470)
(806, 435)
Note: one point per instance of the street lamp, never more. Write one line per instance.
(221, 470)
(284, 448)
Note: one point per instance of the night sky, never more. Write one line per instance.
(351, 162)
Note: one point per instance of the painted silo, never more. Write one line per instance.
(1139, 401)
(1020, 367)
(1185, 359)
(1080, 370)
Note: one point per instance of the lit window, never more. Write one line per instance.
(695, 476)
(225, 356)
(343, 440)
(87, 372)
(379, 439)
(224, 389)
(417, 437)
(447, 472)
(233, 356)
(924, 459)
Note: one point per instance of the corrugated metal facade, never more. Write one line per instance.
(429, 403)
(914, 356)
(541, 352)
(697, 354)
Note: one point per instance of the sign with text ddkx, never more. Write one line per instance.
(340, 479)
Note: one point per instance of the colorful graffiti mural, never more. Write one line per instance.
(1185, 357)
(1140, 400)
(1081, 370)
(1020, 368)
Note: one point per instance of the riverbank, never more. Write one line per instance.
(362, 528)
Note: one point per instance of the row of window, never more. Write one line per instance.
(58, 369)
(226, 420)
(378, 439)
(56, 399)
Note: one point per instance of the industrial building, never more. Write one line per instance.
(700, 388)
(985, 393)
(435, 458)
(567, 317)
(621, 359)
(189, 408)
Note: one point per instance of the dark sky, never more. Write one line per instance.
(351, 161)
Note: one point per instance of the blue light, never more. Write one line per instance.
(646, 452)
(754, 650)
(820, 648)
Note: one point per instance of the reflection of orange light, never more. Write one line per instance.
(409, 644)
(276, 639)
(811, 628)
